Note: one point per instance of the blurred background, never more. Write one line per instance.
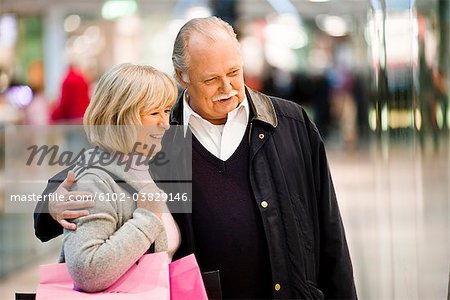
(373, 74)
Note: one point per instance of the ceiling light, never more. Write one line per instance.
(8, 30)
(71, 23)
(333, 25)
(113, 9)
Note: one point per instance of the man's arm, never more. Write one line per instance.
(335, 273)
(51, 217)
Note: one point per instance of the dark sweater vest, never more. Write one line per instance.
(228, 230)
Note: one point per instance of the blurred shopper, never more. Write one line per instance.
(37, 113)
(320, 103)
(70, 108)
(74, 98)
(264, 210)
(343, 106)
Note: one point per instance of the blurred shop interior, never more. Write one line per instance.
(372, 74)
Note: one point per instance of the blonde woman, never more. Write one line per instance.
(125, 121)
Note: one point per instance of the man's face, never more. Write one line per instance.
(216, 81)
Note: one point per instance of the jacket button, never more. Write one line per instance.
(261, 136)
(277, 287)
(264, 204)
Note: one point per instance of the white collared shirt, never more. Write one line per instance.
(221, 140)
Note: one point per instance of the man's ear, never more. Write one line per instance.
(182, 78)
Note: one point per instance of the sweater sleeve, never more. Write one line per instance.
(100, 250)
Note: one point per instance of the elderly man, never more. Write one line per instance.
(264, 210)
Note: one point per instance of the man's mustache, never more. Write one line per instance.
(225, 96)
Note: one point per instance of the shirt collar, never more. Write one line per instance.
(188, 112)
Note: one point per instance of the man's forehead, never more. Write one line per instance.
(209, 72)
(214, 37)
(207, 69)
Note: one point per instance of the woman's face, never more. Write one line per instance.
(154, 124)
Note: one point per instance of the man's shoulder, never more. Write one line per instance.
(270, 105)
(61, 175)
(288, 109)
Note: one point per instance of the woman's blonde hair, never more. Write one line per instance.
(122, 95)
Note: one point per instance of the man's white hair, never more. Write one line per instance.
(205, 26)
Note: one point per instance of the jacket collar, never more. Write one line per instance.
(261, 108)
(176, 114)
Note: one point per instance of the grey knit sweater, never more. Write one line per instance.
(114, 235)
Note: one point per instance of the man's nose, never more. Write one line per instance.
(226, 85)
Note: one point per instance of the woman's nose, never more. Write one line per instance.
(164, 121)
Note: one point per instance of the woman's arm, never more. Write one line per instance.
(100, 251)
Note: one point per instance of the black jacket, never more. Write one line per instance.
(289, 171)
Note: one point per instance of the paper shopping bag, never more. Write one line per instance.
(186, 280)
(149, 279)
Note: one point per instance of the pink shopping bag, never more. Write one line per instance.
(147, 280)
(186, 281)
